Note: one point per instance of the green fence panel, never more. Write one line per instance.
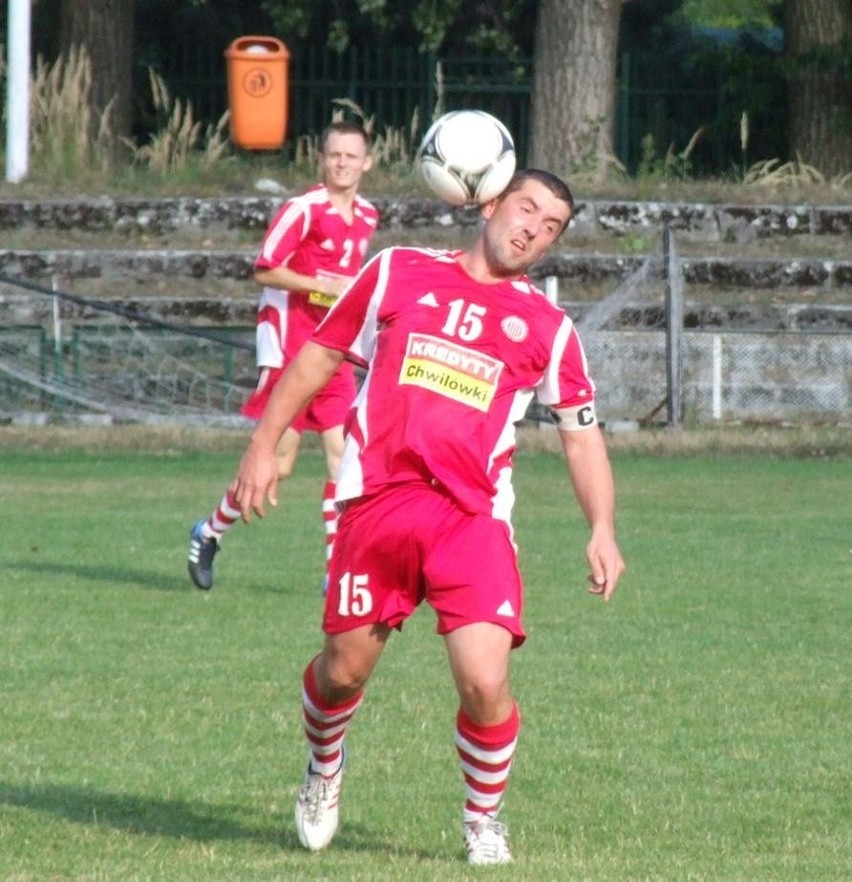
(397, 86)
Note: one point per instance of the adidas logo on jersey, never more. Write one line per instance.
(505, 609)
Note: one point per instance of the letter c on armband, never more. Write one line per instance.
(571, 419)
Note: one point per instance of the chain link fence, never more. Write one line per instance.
(728, 376)
(662, 372)
(135, 365)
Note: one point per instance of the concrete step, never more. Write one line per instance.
(731, 223)
(22, 309)
(145, 265)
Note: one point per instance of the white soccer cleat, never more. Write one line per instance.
(485, 842)
(317, 809)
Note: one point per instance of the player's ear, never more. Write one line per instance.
(488, 208)
(368, 162)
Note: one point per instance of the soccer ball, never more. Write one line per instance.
(467, 157)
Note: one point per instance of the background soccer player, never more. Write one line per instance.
(314, 246)
(455, 345)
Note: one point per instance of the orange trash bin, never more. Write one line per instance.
(258, 70)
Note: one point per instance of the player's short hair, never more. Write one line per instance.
(344, 127)
(553, 183)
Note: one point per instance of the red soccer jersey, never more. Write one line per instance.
(309, 236)
(453, 366)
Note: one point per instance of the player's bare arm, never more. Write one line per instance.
(257, 476)
(287, 280)
(594, 486)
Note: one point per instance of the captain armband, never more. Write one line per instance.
(571, 419)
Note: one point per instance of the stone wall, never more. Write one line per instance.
(715, 222)
(216, 277)
(236, 265)
(728, 375)
(18, 307)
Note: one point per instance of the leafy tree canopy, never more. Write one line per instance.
(504, 26)
(730, 13)
(489, 25)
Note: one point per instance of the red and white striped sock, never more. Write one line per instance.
(325, 726)
(486, 754)
(225, 516)
(329, 517)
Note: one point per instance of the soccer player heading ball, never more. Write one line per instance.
(455, 344)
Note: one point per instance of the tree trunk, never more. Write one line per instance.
(818, 40)
(104, 29)
(574, 86)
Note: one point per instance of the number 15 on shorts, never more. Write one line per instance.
(355, 598)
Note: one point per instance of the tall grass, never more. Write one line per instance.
(66, 138)
(394, 149)
(181, 140)
(69, 140)
(73, 148)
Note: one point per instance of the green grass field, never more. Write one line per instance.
(697, 728)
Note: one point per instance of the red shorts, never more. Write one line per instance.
(412, 543)
(329, 407)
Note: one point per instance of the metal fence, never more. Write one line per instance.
(395, 85)
(728, 376)
(124, 362)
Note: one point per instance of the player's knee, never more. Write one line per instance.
(340, 678)
(286, 467)
(484, 697)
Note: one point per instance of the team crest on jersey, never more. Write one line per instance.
(515, 328)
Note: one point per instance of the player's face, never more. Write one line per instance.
(344, 161)
(521, 226)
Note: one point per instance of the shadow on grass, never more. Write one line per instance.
(112, 575)
(149, 816)
(174, 583)
(140, 814)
